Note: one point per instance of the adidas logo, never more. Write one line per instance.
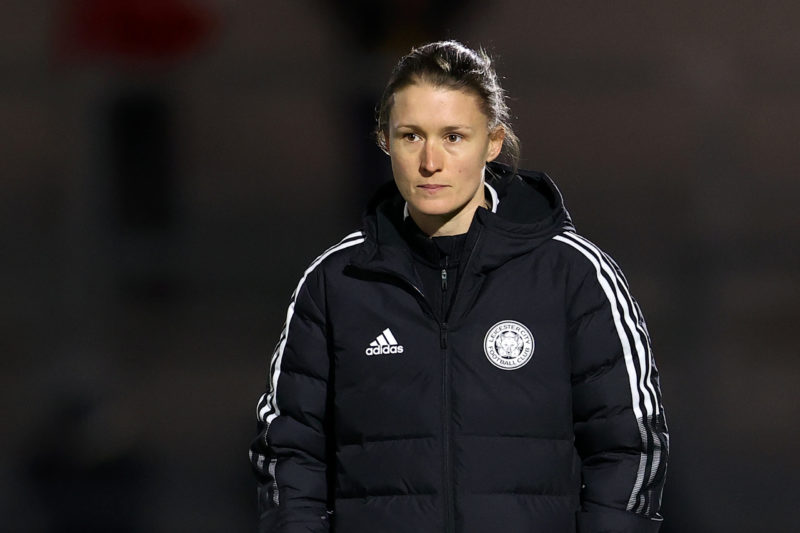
(384, 344)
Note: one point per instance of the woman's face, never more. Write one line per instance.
(439, 141)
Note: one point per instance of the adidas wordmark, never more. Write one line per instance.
(384, 344)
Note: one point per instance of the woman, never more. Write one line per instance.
(466, 362)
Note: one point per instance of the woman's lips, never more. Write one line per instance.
(431, 187)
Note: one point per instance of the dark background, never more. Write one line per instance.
(169, 168)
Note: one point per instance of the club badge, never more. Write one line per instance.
(508, 345)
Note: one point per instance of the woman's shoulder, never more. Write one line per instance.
(341, 251)
(586, 260)
(331, 260)
(581, 249)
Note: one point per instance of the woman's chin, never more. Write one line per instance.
(433, 208)
(433, 213)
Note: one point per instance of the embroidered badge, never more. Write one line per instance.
(508, 345)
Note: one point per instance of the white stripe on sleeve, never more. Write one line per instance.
(269, 409)
(641, 387)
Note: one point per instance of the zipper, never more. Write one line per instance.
(444, 290)
(447, 467)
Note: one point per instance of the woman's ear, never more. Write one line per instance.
(496, 137)
(385, 143)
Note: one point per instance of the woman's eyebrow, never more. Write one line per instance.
(443, 128)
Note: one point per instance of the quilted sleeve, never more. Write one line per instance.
(620, 426)
(289, 452)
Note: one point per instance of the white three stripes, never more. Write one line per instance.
(268, 406)
(640, 382)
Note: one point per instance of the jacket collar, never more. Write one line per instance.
(527, 210)
(494, 201)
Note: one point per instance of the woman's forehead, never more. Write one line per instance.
(429, 103)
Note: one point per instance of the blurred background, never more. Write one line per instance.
(169, 168)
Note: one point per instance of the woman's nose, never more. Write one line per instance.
(431, 158)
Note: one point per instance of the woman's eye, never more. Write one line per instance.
(454, 138)
(411, 136)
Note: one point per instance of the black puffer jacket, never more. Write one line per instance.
(533, 406)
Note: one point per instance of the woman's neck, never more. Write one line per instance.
(449, 224)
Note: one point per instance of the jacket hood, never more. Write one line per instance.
(528, 202)
(527, 210)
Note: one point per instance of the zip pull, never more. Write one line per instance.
(444, 279)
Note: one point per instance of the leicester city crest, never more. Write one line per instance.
(508, 345)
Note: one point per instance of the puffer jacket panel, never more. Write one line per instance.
(389, 514)
(385, 444)
(532, 405)
(516, 513)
